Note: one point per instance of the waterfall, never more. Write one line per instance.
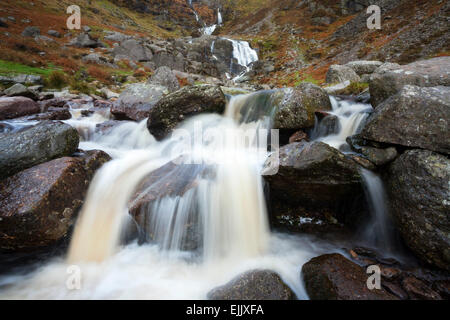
(227, 204)
(219, 17)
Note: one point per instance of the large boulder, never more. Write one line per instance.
(337, 74)
(333, 277)
(389, 79)
(136, 101)
(15, 107)
(415, 117)
(182, 104)
(132, 50)
(21, 78)
(38, 205)
(364, 67)
(84, 40)
(254, 285)
(43, 142)
(418, 187)
(296, 107)
(164, 76)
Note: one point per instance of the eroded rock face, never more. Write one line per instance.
(418, 188)
(338, 74)
(333, 277)
(296, 107)
(182, 104)
(38, 205)
(389, 79)
(415, 117)
(43, 142)
(254, 285)
(136, 101)
(15, 107)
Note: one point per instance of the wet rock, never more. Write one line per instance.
(379, 157)
(298, 137)
(182, 104)
(337, 74)
(333, 277)
(418, 189)
(330, 124)
(164, 76)
(363, 162)
(15, 107)
(389, 79)
(31, 32)
(43, 142)
(39, 205)
(51, 114)
(254, 285)
(415, 117)
(136, 101)
(418, 290)
(132, 50)
(296, 107)
(364, 67)
(313, 172)
(19, 90)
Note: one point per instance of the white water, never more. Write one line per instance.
(230, 206)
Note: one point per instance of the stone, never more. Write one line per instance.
(337, 74)
(415, 117)
(132, 50)
(253, 285)
(19, 90)
(419, 193)
(164, 76)
(46, 141)
(31, 32)
(54, 33)
(333, 277)
(14, 107)
(364, 67)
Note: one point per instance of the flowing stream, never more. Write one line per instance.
(197, 236)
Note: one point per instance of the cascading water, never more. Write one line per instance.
(227, 197)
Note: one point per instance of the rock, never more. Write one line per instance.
(98, 59)
(54, 33)
(182, 104)
(337, 74)
(379, 157)
(136, 101)
(333, 277)
(84, 40)
(173, 61)
(21, 78)
(313, 173)
(39, 205)
(31, 32)
(19, 90)
(298, 137)
(415, 117)
(132, 50)
(418, 189)
(3, 23)
(418, 290)
(330, 124)
(254, 285)
(163, 76)
(43, 142)
(51, 114)
(389, 79)
(296, 107)
(15, 107)
(117, 37)
(337, 88)
(364, 67)
(108, 94)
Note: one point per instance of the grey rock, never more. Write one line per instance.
(31, 32)
(54, 33)
(337, 74)
(19, 90)
(164, 76)
(364, 67)
(132, 50)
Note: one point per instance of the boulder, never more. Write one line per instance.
(415, 117)
(418, 187)
(333, 277)
(182, 104)
(364, 67)
(15, 107)
(39, 205)
(84, 40)
(132, 50)
(31, 32)
(52, 113)
(19, 90)
(117, 36)
(313, 172)
(389, 79)
(164, 76)
(337, 74)
(296, 107)
(54, 33)
(21, 78)
(136, 101)
(170, 60)
(254, 285)
(98, 59)
(46, 141)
